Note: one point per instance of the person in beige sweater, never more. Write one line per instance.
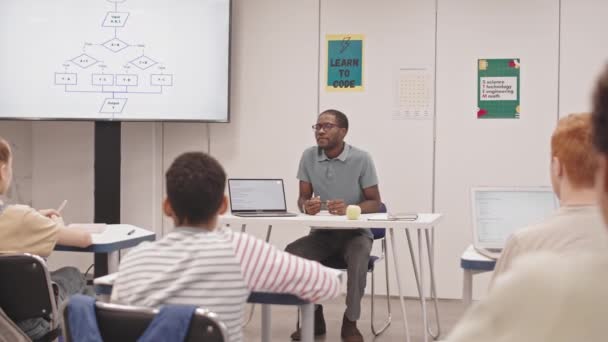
(577, 225)
(27, 230)
(547, 296)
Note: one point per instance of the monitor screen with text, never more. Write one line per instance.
(498, 213)
(256, 194)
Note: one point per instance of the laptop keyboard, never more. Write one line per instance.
(266, 214)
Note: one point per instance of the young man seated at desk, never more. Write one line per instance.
(546, 296)
(26, 230)
(210, 267)
(577, 226)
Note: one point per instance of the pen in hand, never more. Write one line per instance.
(53, 213)
(62, 205)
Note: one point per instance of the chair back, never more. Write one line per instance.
(379, 233)
(122, 323)
(25, 288)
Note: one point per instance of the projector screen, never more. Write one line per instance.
(152, 60)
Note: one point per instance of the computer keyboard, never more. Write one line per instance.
(266, 214)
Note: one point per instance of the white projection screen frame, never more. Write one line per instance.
(123, 60)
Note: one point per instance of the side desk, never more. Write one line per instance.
(107, 244)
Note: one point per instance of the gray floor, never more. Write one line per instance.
(284, 320)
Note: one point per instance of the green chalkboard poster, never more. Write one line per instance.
(498, 88)
(344, 62)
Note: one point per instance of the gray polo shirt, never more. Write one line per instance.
(343, 177)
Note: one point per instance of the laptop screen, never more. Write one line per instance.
(256, 195)
(499, 212)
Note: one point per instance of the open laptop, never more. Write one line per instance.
(257, 197)
(498, 212)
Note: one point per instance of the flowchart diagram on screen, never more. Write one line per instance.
(115, 67)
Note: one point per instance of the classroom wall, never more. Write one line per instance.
(398, 34)
(502, 152)
(277, 71)
(19, 134)
(62, 168)
(582, 54)
(274, 95)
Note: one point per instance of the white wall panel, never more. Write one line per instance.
(500, 152)
(583, 54)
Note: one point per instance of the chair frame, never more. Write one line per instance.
(383, 255)
(37, 261)
(140, 310)
(387, 322)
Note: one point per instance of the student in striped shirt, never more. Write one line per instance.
(213, 268)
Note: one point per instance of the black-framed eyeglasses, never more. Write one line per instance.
(325, 126)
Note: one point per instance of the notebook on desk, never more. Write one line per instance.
(257, 198)
(393, 217)
(498, 212)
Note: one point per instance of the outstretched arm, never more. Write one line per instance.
(72, 236)
(269, 269)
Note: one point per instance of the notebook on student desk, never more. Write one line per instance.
(498, 212)
(392, 216)
(257, 197)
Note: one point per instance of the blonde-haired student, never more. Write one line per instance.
(27, 230)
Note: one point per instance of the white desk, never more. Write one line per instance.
(425, 223)
(107, 244)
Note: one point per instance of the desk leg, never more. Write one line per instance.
(398, 276)
(113, 262)
(425, 321)
(467, 287)
(100, 261)
(430, 247)
(308, 327)
(418, 267)
(266, 323)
